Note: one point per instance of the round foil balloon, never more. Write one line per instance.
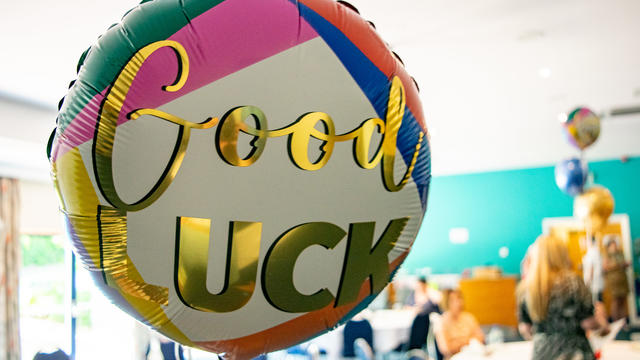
(242, 175)
(571, 175)
(594, 207)
(582, 127)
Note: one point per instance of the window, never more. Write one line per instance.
(42, 294)
(45, 306)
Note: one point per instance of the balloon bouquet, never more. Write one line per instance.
(241, 175)
(595, 205)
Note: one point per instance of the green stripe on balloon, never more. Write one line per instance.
(114, 49)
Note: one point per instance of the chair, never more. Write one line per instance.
(356, 329)
(416, 354)
(171, 351)
(362, 349)
(56, 355)
(419, 331)
(309, 351)
(432, 345)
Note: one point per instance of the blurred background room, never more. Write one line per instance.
(499, 80)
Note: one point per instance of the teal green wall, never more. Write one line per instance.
(506, 208)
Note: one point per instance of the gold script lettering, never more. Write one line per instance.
(108, 120)
(233, 123)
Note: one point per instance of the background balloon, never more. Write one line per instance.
(225, 168)
(594, 207)
(571, 175)
(582, 127)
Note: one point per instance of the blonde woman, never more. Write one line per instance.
(556, 306)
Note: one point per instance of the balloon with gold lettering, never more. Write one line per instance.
(241, 175)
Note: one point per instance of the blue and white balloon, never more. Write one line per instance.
(571, 175)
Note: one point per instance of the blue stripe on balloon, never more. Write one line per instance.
(375, 85)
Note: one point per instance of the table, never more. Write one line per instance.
(616, 350)
(390, 329)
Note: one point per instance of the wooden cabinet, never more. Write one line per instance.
(491, 301)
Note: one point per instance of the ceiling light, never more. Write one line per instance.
(562, 117)
(544, 72)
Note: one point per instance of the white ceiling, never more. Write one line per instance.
(494, 74)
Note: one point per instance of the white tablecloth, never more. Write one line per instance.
(616, 350)
(390, 328)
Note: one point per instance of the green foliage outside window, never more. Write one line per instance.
(39, 250)
(43, 297)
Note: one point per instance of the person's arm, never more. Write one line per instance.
(525, 324)
(525, 331)
(477, 331)
(448, 347)
(597, 322)
(478, 334)
(608, 265)
(594, 316)
(441, 340)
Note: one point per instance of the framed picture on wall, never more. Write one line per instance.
(573, 232)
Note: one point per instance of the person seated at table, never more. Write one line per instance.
(457, 327)
(556, 305)
(423, 299)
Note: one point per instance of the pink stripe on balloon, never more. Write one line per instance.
(221, 41)
(81, 129)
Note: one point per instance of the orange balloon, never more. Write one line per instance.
(594, 207)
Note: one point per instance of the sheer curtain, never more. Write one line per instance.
(9, 268)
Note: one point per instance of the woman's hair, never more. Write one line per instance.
(549, 261)
(446, 296)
